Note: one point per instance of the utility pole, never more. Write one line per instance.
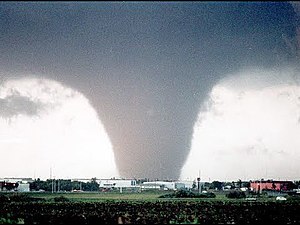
(198, 180)
(54, 182)
(51, 180)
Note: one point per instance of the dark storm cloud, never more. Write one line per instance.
(146, 67)
(16, 104)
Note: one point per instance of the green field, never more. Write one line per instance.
(99, 196)
(135, 196)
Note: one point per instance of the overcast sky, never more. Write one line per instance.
(146, 68)
(248, 128)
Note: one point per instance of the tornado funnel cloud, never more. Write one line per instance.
(151, 135)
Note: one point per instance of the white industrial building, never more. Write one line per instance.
(188, 184)
(167, 185)
(23, 187)
(116, 183)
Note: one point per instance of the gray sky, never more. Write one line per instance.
(145, 67)
(248, 128)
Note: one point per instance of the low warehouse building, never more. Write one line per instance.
(23, 187)
(116, 183)
(271, 185)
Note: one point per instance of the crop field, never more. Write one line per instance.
(141, 208)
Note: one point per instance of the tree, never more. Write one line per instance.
(239, 183)
(91, 186)
(236, 194)
(38, 184)
(216, 185)
(65, 185)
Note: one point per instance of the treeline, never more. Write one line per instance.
(61, 185)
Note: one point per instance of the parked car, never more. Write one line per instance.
(280, 198)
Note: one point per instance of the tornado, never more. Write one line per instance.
(145, 67)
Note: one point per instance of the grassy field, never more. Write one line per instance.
(134, 196)
(99, 196)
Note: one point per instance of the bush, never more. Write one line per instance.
(188, 194)
(207, 195)
(179, 194)
(236, 194)
(167, 196)
(184, 194)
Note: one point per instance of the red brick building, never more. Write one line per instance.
(271, 185)
(8, 186)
